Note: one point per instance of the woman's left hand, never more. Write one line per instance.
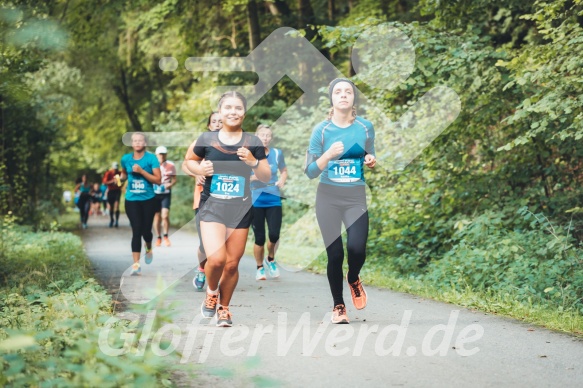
(246, 156)
(280, 184)
(370, 160)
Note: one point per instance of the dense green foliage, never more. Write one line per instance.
(76, 75)
(52, 314)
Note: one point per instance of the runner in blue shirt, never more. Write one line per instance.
(142, 170)
(339, 149)
(267, 207)
(82, 190)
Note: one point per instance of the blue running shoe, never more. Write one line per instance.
(199, 280)
(149, 256)
(136, 269)
(272, 269)
(260, 275)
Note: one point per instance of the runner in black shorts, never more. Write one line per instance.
(225, 209)
(214, 123)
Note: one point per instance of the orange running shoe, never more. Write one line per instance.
(158, 241)
(166, 241)
(339, 314)
(208, 309)
(224, 317)
(358, 293)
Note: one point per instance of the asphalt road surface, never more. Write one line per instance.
(282, 333)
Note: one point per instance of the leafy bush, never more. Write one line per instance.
(536, 260)
(52, 316)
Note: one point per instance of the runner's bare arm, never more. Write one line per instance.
(263, 171)
(282, 177)
(197, 166)
(189, 154)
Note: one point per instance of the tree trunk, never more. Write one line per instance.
(543, 176)
(121, 91)
(385, 8)
(331, 10)
(351, 72)
(281, 11)
(254, 27)
(305, 13)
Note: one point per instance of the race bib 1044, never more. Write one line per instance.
(227, 186)
(344, 170)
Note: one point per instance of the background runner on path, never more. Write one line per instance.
(214, 123)
(164, 196)
(267, 207)
(142, 170)
(112, 179)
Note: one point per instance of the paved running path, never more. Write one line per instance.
(283, 326)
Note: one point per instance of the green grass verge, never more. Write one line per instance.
(53, 318)
(504, 304)
(69, 221)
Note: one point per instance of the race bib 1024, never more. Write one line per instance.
(227, 186)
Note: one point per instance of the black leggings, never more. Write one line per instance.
(336, 205)
(113, 196)
(273, 217)
(84, 204)
(141, 215)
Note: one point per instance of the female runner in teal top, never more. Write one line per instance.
(339, 149)
(142, 170)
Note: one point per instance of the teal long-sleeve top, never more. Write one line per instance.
(348, 169)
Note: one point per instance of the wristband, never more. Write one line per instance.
(256, 164)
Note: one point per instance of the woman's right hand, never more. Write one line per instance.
(207, 167)
(200, 180)
(335, 150)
